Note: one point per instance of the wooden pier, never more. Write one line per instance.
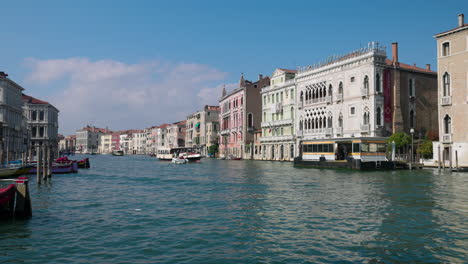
(14, 199)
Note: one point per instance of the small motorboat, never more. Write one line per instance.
(59, 168)
(84, 163)
(179, 160)
(117, 153)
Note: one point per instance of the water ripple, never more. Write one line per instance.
(137, 210)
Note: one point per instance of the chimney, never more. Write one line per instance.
(260, 77)
(428, 67)
(395, 53)
(461, 20)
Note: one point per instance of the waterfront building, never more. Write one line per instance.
(105, 146)
(257, 155)
(201, 128)
(138, 144)
(42, 122)
(67, 144)
(360, 96)
(278, 107)
(115, 141)
(175, 135)
(13, 127)
(124, 142)
(240, 117)
(452, 59)
(88, 138)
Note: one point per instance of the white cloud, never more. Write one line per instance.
(119, 95)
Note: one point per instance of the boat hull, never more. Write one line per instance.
(58, 168)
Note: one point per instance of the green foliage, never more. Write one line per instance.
(401, 140)
(425, 149)
(213, 149)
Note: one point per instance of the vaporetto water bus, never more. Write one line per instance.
(191, 154)
(352, 153)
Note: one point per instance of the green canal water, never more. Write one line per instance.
(135, 209)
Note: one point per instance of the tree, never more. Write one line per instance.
(213, 149)
(425, 149)
(402, 140)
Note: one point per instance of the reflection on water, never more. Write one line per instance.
(138, 210)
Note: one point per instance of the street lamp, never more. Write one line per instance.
(411, 155)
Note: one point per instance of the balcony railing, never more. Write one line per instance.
(339, 131)
(328, 99)
(365, 128)
(315, 101)
(277, 138)
(364, 92)
(225, 131)
(339, 97)
(447, 138)
(328, 131)
(277, 123)
(446, 100)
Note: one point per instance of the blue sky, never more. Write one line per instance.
(166, 44)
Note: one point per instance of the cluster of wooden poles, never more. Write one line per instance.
(443, 156)
(44, 162)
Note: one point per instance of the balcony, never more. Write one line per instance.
(328, 131)
(225, 131)
(365, 128)
(328, 99)
(446, 138)
(277, 138)
(315, 101)
(277, 123)
(446, 100)
(339, 97)
(364, 92)
(339, 131)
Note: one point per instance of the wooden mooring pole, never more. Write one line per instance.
(456, 160)
(44, 164)
(38, 165)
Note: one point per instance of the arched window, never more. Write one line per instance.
(300, 125)
(411, 116)
(330, 122)
(34, 132)
(41, 132)
(324, 91)
(377, 83)
(447, 124)
(340, 121)
(264, 116)
(302, 97)
(292, 112)
(330, 90)
(340, 88)
(250, 119)
(446, 84)
(366, 118)
(34, 115)
(379, 116)
(366, 82)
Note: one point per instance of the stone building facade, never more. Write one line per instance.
(240, 116)
(278, 106)
(452, 59)
(42, 120)
(362, 95)
(200, 127)
(13, 127)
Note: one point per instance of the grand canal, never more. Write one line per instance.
(134, 209)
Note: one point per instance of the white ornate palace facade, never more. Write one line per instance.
(341, 99)
(278, 112)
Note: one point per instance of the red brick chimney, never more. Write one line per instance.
(428, 67)
(395, 53)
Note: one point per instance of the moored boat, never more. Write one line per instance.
(117, 153)
(179, 160)
(84, 163)
(59, 168)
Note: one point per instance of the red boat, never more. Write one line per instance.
(84, 163)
